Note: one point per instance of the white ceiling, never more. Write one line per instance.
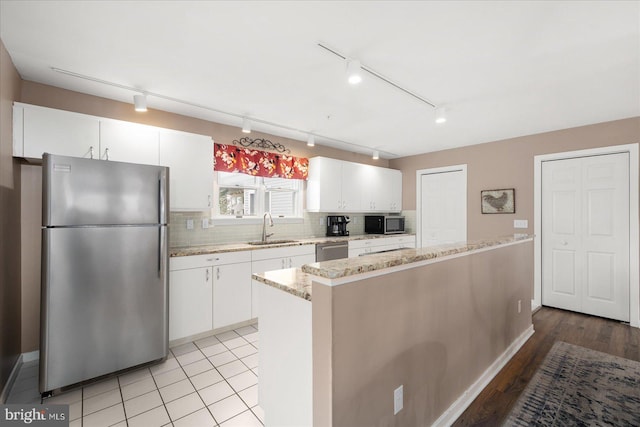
(503, 69)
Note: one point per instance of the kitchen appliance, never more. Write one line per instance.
(381, 224)
(337, 225)
(104, 297)
(331, 250)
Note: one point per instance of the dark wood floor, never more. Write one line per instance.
(608, 336)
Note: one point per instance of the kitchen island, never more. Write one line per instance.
(338, 338)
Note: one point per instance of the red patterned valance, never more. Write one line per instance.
(228, 158)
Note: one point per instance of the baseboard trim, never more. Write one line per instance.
(11, 380)
(31, 356)
(454, 411)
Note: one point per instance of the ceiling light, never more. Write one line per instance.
(441, 115)
(354, 71)
(376, 155)
(140, 102)
(311, 141)
(246, 125)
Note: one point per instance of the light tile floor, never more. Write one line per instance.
(209, 382)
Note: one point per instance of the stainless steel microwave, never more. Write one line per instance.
(382, 224)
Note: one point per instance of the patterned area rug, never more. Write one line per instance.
(576, 386)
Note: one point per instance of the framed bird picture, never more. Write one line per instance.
(501, 201)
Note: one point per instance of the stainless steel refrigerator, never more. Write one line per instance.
(104, 268)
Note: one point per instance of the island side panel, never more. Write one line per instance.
(285, 358)
(322, 352)
(434, 329)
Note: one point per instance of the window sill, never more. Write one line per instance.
(254, 220)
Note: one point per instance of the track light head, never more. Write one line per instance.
(246, 125)
(354, 71)
(311, 141)
(140, 102)
(441, 115)
(376, 155)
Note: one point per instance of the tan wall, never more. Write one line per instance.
(433, 329)
(9, 221)
(509, 164)
(31, 194)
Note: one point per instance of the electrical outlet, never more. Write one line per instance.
(205, 223)
(189, 224)
(398, 400)
(322, 220)
(520, 223)
(519, 306)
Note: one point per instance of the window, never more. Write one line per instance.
(240, 196)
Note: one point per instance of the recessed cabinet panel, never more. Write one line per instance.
(129, 142)
(190, 159)
(46, 130)
(190, 302)
(231, 294)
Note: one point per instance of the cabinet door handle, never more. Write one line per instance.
(207, 277)
(290, 263)
(218, 273)
(282, 262)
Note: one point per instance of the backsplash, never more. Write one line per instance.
(311, 226)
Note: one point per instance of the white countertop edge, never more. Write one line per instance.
(369, 274)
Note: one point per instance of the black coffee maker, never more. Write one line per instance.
(337, 225)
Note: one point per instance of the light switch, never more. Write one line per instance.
(189, 224)
(205, 223)
(520, 223)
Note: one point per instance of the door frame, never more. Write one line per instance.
(634, 226)
(444, 169)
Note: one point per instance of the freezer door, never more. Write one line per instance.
(80, 192)
(104, 301)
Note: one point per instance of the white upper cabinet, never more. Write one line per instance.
(393, 191)
(129, 142)
(334, 185)
(190, 159)
(39, 130)
(340, 186)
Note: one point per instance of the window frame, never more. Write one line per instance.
(260, 200)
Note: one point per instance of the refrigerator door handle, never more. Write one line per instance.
(162, 250)
(162, 195)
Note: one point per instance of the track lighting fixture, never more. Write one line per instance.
(354, 71)
(140, 102)
(376, 155)
(246, 125)
(311, 141)
(441, 115)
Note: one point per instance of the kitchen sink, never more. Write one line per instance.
(270, 242)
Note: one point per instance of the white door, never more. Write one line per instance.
(443, 207)
(585, 235)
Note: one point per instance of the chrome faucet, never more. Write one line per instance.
(264, 226)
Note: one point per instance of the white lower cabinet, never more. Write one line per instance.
(207, 292)
(231, 294)
(190, 302)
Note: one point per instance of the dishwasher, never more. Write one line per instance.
(329, 251)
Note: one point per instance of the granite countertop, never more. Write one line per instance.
(291, 280)
(236, 247)
(297, 281)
